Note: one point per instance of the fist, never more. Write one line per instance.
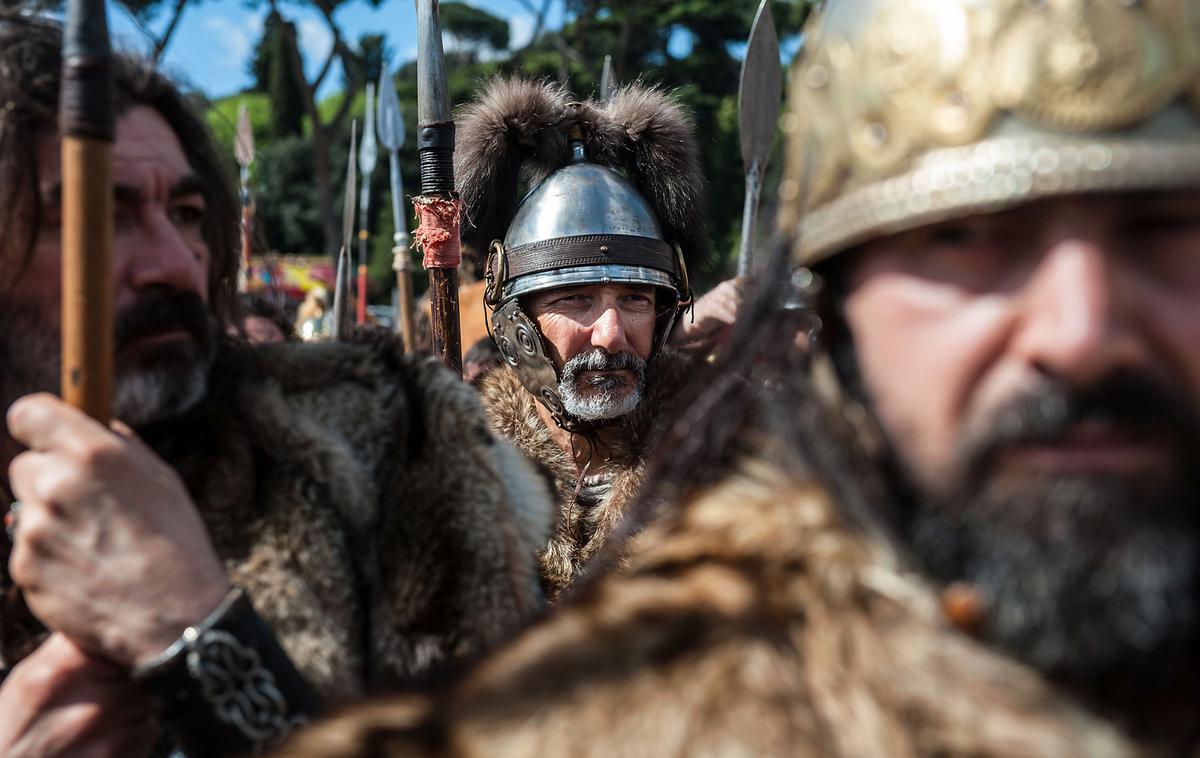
(61, 702)
(108, 547)
(712, 318)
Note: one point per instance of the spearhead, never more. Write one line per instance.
(368, 154)
(760, 100)
(341, 291)
(608, 81)
(760, 97)
(391, 119)
(243, 145)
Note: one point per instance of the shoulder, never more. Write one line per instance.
(347, 384)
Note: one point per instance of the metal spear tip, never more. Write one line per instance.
(760, 95)
(243, 144)
(391, 120)
(608, 81)
(351, 187)
(368, 153)
(433, 93)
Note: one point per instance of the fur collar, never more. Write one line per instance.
(580, 533)
(751, 621)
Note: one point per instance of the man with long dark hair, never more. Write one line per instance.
(949, 507)
(264, 530)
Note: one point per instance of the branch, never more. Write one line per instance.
(352, 83)
(327, 13)
(161, 44)
(297, 66)
(539, 25)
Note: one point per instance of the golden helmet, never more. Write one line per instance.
(910, 112)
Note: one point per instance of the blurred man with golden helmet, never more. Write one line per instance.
(964, 521)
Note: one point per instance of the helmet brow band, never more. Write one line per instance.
(589, 250)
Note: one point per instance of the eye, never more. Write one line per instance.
(187, 214)
(572, 299)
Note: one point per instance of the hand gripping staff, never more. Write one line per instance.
(438, 207)
(88, 127)
(760, 98)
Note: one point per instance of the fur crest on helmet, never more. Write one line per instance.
(518, 131)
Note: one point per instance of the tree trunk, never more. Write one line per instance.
(325, 200)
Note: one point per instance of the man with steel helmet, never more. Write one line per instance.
(960, 518)
(587, 275)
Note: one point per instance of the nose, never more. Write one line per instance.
(608, 332)
(1077, 319)
(157, 255)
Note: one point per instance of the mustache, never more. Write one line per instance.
(600, 360)
(1132, 402)
(161, 311)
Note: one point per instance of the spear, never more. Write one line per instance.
(243, 150)
(366, 165)
(88, 127)
(437, 206)
(341, 286)
(391, 136)
(759, 102)
(608, 80)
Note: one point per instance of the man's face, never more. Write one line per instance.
(164, 332)
(600, 337)
(1037, 373)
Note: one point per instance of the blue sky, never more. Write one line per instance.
(213, 43)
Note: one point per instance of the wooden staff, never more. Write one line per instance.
(88, 127)
(391, 136)
(438, 204)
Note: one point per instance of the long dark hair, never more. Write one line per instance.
(30, 69)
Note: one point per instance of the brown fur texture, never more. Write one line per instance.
(518, 131)
(360, 499)
(579, 533)
(753, 622)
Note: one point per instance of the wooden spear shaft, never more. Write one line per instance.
(436, 150)
(88, 129)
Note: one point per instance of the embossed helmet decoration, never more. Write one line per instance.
(905, 113)
(617, 196)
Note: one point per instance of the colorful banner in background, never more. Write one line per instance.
(290, 275)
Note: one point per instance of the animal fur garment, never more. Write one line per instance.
(751, 621)
(359, 498)
(580, 533)
(518, 132)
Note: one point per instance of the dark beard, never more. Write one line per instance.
(1091, 579)
(151, 385)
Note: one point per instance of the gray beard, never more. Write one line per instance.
(602, 398)
(159, 388)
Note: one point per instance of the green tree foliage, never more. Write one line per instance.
(474, 31)
(692, 47)
(272, 71)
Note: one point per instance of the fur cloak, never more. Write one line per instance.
(754, 622)
(580, 533)
(359, 498)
